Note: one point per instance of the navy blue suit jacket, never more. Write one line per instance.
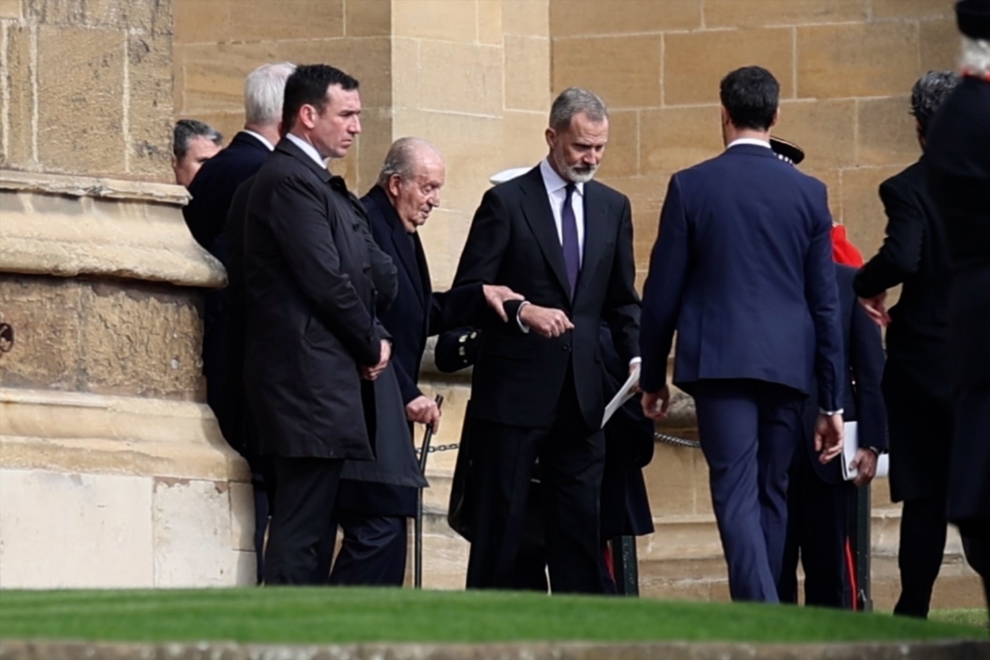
(214, 186)
(742, 270)
(863, 402)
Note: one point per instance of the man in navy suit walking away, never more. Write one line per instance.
(742, 270)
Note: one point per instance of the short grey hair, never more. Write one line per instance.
(573, 101)
(974, 57)
(929, 93)
(264, 91)
(187, 129)
(401, 159)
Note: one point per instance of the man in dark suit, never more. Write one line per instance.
(373, 506)
(564, 241)
(206, 214)
(957, 163)
(818, 498)
(742, 269)
(917, 378)
(312, 342)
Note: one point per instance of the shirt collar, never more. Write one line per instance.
(752, 141)
(308, 149)
(554, 181)
(260, 138)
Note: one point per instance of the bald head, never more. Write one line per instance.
(412, 176)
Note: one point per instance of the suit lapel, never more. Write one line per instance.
(595, 219)
(539, 216)
(404, 248)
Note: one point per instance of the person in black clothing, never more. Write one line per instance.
(312, 345)
(206, 215)
(818, 499)
(916, 382)
(376, 498)
(958, 171)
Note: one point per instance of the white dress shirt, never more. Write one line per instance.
(308, 149)
(260, 138)
(752, 141)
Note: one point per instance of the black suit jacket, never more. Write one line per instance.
(310, 312)
(915, 253)
(214, 186)
(513, 241)
(862, 401)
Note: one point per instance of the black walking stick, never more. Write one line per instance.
(418, 524)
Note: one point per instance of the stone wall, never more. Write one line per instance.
(218, 42)
(845, 66)
(86, 86)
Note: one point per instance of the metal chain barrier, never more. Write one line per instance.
(674, 440)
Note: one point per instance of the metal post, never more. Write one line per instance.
(424, 453)
(864, 513)
(626, 566)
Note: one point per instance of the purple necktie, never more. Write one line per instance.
(572, 251)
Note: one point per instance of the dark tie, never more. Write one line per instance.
(572, 251)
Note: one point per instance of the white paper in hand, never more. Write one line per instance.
(625, 393)
(850, 443)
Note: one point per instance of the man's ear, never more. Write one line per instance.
(393, 185)
(551, 137)
(175, 162)
(776, 117)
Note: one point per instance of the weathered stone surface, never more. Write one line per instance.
(758, 13)
(10, 9)
(19, 77)
(92, 539)
(695, 62)
(527, 73)
(122, 229)
(570, 18)
(886, 133)
(149, 62)
(868, 59)
(526, 17)
(939, 650)
(368, 18)
(631, 78)
(80, 107)
(427, 19)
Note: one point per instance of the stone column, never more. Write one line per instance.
(113, 472)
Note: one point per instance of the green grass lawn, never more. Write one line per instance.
(365, 615)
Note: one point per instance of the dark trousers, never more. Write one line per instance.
(817, 530)
(572, 460)
(919, 557)
(749, 431)
(373, 551)
(304, 500)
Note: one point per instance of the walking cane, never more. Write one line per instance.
(418, 523)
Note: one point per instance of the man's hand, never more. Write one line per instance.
(866, 462)
(371, 373)
(655, 403)
(546, 321)
(496, 295)
(828, 437)
(424, 410)
(632, 368)
(876, 310)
